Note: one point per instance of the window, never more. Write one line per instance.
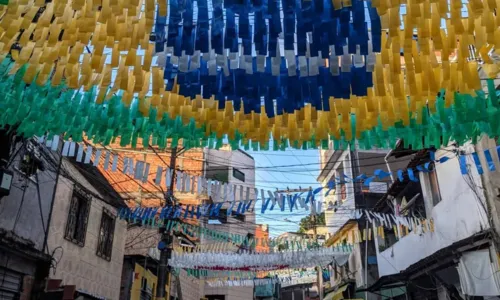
(238, 175)
(343, 192)
(434, 187)
(105, 243)
(220, 219)
(239, 217)
(11, 284)
(388, 240)
(217, 172)
(146, 292)
(76, 226)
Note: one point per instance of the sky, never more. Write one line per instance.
(281, 170)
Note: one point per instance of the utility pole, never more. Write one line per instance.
(318, 268)
(166, 235)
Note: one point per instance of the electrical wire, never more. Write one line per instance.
(146, 190)
(223, 161)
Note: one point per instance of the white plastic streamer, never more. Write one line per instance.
(255, 261)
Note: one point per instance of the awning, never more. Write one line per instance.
(337, 295)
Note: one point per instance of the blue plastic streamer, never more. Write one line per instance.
(463, 164)
(215, 210)
(248, 205)
(381, 174)
(489, 160)
(477, 161)
(177, 212)
(292, 200)
(202, 27)
(368, 181)
(317, 190)
(425, 168)
(217, 27)
(265, 203)
(443, 159)
(241, 208)
(159, 32)
(432, 155)
(309, 197)
(360, 178)
(411, 175)
(187, 28)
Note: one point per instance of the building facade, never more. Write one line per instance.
(87, 237)
(230, 167)
(339, 168)
(262, 232)
(25, 215)
(60, 236)
(458, 258)
(236, 168)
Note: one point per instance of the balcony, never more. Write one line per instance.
(458, 214)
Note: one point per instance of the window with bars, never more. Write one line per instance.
(106, 233)
(11, 284)
(78, 217)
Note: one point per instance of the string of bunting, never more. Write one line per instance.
(208, 274)
(259, 281)
(405, 224)
(149, 215)
(284, 277)
(292, 244)
(222, 193)
(255, 261)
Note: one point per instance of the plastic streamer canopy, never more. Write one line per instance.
(301, 72)
(63, 111)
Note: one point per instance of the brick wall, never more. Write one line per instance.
(136, 192)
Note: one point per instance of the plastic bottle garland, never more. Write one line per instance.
(254, 262)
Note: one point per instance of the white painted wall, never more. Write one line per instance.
(246, 164)
(334, 220)
(81, 266)
(456, 217)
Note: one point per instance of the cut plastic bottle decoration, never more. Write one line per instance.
(341, 70)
